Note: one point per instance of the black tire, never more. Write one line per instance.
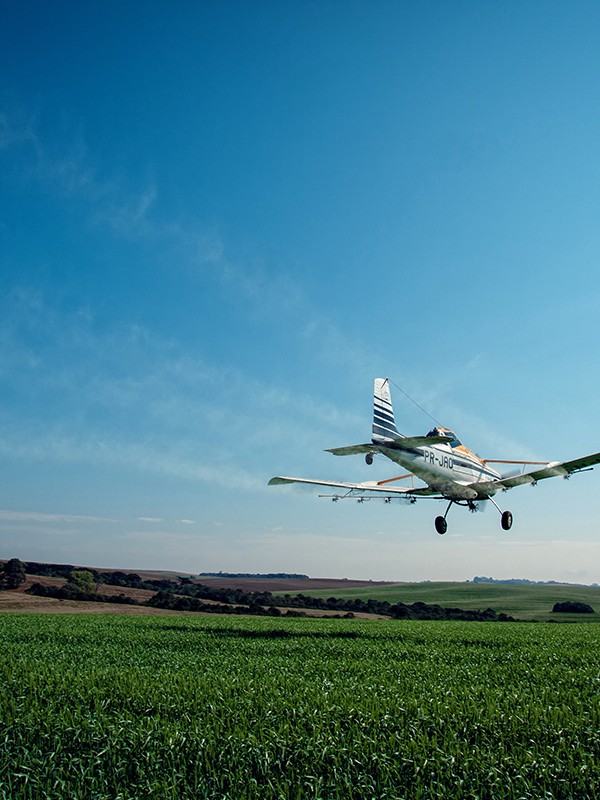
(441, 525)
(369, 458)
(507, 520)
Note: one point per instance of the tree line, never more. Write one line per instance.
(182, 594)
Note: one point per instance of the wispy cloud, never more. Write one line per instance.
(36, 516)
(16, 129)
(171, 460)
(131, 212)
(124, 395)
(129, 215)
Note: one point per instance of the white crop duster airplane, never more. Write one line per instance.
(451, 471)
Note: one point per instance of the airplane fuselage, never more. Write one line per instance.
(442, 467)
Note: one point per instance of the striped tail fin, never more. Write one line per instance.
(384, 426)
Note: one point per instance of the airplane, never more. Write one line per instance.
(450, 470)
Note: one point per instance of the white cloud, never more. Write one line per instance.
(124, 395)
(36, 516)
(174, 461)
(194, 246)
(128, 214)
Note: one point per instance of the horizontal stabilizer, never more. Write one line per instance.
(402, 443)
(352, 450)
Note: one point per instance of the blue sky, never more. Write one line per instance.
(220, 221)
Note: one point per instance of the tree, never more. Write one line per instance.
(572, 607)
(82, 581)
(13, 574)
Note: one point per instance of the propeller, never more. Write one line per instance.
(512, 473)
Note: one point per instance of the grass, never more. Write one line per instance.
(171, 707)
(526, 602)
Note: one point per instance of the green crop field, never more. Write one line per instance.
(523, 601)
(125, 707)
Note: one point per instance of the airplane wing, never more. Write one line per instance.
(366, 486)
(404, 443)
(551, 470)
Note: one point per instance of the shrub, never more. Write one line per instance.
(572, 607)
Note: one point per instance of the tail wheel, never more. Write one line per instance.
(441, 525)
(369, 458)
(507, 520)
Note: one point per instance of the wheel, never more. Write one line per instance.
(369, 458)
(507, 520)
(441, 525)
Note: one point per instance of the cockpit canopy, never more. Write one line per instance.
(445, 432)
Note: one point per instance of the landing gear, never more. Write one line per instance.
(369, 458)
(441, 525)
(507, 520)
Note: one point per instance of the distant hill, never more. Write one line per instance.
(527, 582)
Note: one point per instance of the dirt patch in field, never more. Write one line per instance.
(254, 584)
(43, 579)
(18, 601)
(139, 595)
(27, 603)
(287, 585)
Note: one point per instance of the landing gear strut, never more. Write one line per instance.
(506, 518)
(441, 525)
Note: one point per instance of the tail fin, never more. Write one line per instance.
(384, 427)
